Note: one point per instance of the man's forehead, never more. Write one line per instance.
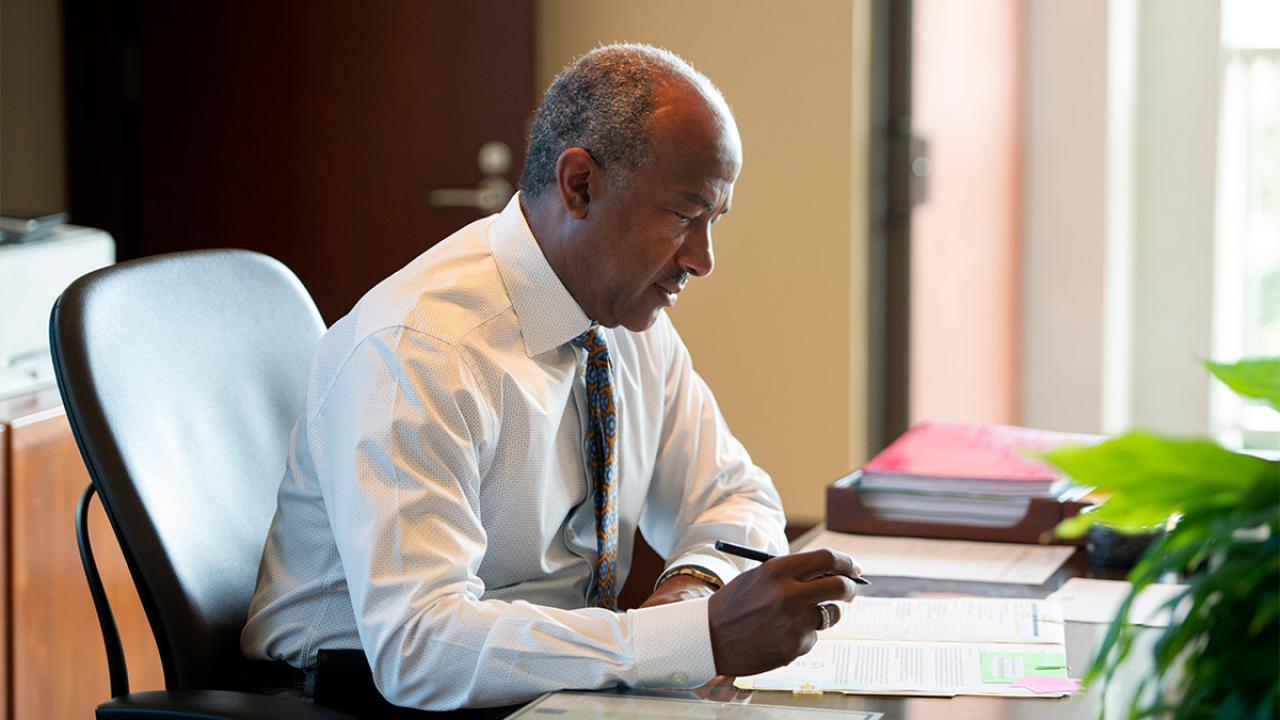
(695, 146)
(690, 132)
(683, 102)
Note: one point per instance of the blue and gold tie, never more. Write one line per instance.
(602, 447)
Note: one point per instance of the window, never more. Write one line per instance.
(1247, 304)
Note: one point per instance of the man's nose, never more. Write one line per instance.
(697, 256)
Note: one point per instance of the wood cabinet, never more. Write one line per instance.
(53, 662)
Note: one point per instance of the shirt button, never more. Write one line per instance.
(679, 678)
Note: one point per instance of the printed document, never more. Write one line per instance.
(950, 620)
(944, 647)
(948, 559)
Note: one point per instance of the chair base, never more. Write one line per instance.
(213, 705)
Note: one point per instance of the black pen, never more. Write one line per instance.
(759, 556)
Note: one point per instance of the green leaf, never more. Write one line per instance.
(1157, 467)
(1257, 378)
(1074, 527)
(1152, 478)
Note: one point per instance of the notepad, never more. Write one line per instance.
(932, 647)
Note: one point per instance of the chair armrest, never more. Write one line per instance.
(212, 704)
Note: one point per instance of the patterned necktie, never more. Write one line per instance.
(602, 449)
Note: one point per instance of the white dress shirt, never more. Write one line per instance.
(436, 506)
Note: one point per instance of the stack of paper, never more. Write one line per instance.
(946, 647)
(954, 473)
(1098, 601)
(1011, 563)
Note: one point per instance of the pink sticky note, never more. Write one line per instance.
(1037, 684)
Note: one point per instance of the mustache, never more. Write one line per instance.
(679, 279)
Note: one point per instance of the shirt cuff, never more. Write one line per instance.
(723, 569)
(672, 645)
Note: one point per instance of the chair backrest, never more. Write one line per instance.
(182, 376)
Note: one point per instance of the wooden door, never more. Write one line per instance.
(312, 131)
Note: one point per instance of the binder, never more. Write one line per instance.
(938, 459)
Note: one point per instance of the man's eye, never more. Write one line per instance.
(683, 218)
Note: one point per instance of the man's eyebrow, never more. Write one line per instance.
(700, 201)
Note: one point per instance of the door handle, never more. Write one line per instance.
(492, 193)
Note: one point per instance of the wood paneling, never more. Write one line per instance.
(310, 131)
(58, 668)
(6, 657)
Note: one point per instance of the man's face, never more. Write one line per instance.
(647, 238)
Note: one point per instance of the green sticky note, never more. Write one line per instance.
(1009, 667)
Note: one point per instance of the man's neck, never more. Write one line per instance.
(549, 232)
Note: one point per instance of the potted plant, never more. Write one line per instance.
(1223, 659)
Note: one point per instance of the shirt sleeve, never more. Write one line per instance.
(406, 431)
(705, 487)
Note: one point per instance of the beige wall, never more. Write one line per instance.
(1065, 230)
(32, 132)
(779, 330)
(1174, 205)
(1118, 272)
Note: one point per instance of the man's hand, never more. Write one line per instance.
(677, 588)
(768, 616)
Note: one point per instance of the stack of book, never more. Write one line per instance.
(959, 474)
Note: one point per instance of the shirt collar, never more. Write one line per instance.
(547, 314)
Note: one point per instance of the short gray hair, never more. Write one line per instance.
(602, 102)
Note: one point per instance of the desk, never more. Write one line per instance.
(1082, 640)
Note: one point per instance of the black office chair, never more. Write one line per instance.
(182, 376)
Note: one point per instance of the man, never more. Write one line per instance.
(486, 430)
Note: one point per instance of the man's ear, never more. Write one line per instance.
(575, 171)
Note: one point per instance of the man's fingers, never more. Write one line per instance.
(827, 588)
(814, 563)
